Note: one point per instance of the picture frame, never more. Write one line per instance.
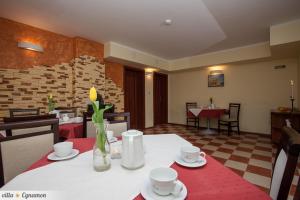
(216, 80)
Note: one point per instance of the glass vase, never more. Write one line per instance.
(101, 152)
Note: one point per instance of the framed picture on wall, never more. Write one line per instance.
(216, 80)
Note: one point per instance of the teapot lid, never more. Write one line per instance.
(132, 132)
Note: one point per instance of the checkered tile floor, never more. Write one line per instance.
(248, 155)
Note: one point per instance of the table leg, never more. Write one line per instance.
(208, 130)
(208, 123)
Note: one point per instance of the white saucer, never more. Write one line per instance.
(52, 155)
(199, 163)
(148, 194)
(113, 139)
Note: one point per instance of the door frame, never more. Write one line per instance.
(154, 97)
(129, 68)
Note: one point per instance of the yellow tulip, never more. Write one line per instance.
(50, 96)
(93, 94)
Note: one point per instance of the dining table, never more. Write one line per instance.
(76, 179)
(208, 113)
(71, 130)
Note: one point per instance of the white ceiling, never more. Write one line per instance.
(198, 26)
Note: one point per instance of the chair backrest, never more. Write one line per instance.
(189, 105)
(117, 128)
(285, 163)
(18, 112)
(234, 110)
(13, 132)
(17, 153)
(70, 111)
(119, 122)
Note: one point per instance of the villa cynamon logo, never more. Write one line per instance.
(30, 195)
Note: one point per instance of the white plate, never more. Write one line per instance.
(199, 163)
(52, 155)
(148, 194)
(113, 139)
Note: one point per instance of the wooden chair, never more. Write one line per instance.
(19, 152)
(189, 116)
(70, 111)
(118, 123)
(233, 118)
(285, 164)
(17, 112)
(13, 132)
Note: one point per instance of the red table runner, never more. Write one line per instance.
(73, 130)
(212, 113)
(83, 145)
(213, 181)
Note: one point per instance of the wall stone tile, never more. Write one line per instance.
(68, 82)
(114, 95)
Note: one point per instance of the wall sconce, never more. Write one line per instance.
(214, 72)
(30, 46)
(149, 72)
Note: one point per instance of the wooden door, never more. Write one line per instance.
(134, 91)
(160, 98)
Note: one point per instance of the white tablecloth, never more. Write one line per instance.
(195, 111)
(77, 179)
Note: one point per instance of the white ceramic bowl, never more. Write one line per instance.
(63, 149)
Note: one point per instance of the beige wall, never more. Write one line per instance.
(298, 100)
(149, 101)
(257, 86)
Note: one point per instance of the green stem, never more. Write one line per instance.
(101, 137)
(101, 140)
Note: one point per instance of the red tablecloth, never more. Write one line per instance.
(74, 130)
(208, 113)
(212, 113)
(213, 181)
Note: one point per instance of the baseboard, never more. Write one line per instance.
(148, 127)
(260, 134)
(242, 132)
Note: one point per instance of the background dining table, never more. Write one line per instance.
(78, 180)
(71, 130)
(208, 113)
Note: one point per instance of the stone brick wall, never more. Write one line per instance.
(68, 82)
(67, 68)
(28, 88)
(88, 72)
(114, 94)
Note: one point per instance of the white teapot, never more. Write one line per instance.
(132, 149)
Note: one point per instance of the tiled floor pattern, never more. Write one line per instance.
(248, 155)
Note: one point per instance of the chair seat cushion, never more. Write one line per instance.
(227, 119)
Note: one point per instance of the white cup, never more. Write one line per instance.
(116, 149)
(164, 181)
(191, 154)
(109, 135)
(63, 149)
(65, 117)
